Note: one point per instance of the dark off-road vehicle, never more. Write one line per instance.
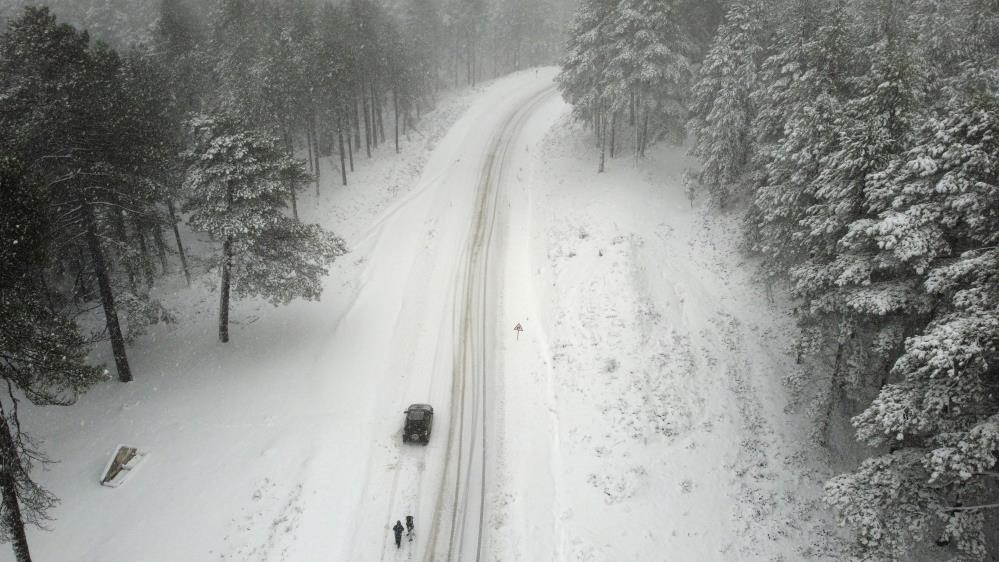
(419, 422)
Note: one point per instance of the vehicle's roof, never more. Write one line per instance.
(421, 407)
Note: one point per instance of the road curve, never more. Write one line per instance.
(457, 533)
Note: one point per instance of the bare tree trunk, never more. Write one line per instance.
(638, 143)
(350, 147)
(374, 115)
(107, 297)
(224, 291)
(180, 244)
(376, 105)
(598, 117)
(147, 266)
(835, 384)
(10, 465)
(395, 103)
(613, 131)
(289, 146)
(368, 126)
(469, 71)
(318, 170)
(161, 250)
(86, 291)
(118, 222)
(357, 127)
(475, 69)
(645, 131)
(308, 145)
(339, 135)
(603, 144)
(457, 49)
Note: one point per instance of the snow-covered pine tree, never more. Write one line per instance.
(582, 80)
(722, 107)
(802, 86)
(939, 411)
(799, 99)
(177, 44)
(650, 60)
(333, 88)
(466, 20)
(41, 353)
(628, 57)
(283, 101)
(235, 188)
(142, 162)
(952, 35)
(59, 114)
(843, 283)
(234, 46)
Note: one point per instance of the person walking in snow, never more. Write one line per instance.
(409, 527)
(398, 534)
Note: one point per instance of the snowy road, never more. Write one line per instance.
(468, 448)
(647, 376)
(433, 293)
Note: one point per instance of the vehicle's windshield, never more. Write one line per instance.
(416, 415)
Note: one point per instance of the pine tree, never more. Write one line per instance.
(177, 42)
(848, 293)
(628, 57)
(59, 114)
(582, 79)
(235, 43)
(651, 60)
(939, 223)
(722, 107)
(42, 354)
(873, 159)
(236, 184)
(799, 99)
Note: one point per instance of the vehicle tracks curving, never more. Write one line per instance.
(458, 524)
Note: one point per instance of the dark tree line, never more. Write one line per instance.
(119, 23)
(860, 138)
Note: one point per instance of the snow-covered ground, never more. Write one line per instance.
(639, 416)
(644, 415)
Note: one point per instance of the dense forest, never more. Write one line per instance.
(860, 139)
(146, 114)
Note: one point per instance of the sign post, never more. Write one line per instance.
(518, 328)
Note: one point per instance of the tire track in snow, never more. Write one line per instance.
(467, 451)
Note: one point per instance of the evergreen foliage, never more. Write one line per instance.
(722, 107)
(236, 186)
(633, 58)
(42, 354)
(870, 168)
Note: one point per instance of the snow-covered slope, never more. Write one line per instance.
(639, 416)
(644, 415)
